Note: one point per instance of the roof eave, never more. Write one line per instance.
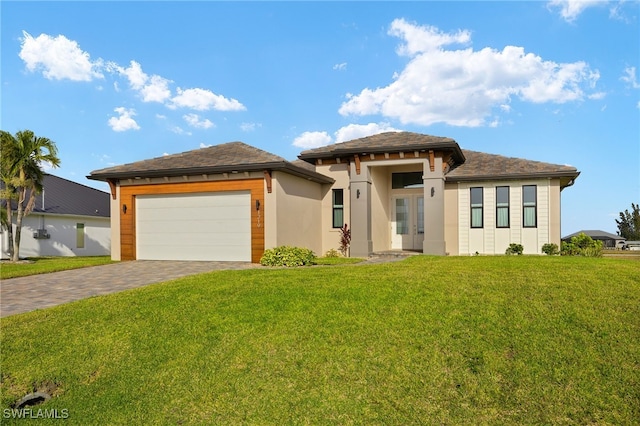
(257, 167)
(570, 175)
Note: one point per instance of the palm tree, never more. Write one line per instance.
(22, 158)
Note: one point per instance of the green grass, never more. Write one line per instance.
(429, 340)
(338, 260)
(44, 265)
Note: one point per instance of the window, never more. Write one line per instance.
(80, 235)
(406, 180)
(402, 216)
(476, 207)
(529, 213)
(338, 208)
(502, 207)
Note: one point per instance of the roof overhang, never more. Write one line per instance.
(284, 166)
(448, 146)
(567, 178)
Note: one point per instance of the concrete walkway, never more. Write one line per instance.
(24, 294)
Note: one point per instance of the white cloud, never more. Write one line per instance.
(124, 121)
(179, 131)
(150, 88)
(194, 121)
(463, 87)
(340, 67)
(249, 127)
(309, 140)
(630, 78)
(571, 9)
(204, 145)
(161, 116)
(58, 58)
(355, 131)
(203, 99)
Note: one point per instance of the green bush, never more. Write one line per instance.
(332, 253)
(582, 245)
(514, 249)
(288, 256)
(550, 249)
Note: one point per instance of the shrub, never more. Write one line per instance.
(288, 256)
(550, 249)
(514, 249)
(332, 253)
(582, 245)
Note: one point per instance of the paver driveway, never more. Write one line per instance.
(26, 294)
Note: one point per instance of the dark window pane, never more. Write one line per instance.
(406, 180)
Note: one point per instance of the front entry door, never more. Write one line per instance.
(407, 222)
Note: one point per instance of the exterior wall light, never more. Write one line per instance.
(124, 209)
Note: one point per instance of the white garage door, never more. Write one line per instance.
(201, 226)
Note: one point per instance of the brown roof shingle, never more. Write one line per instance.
(384, 142)
(481, 166)
(226, 157)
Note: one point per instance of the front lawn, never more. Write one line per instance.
(44, 265)
(429, 340)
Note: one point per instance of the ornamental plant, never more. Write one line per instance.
(514, 248)
(345, 239)
(550, 249)
(288, 256)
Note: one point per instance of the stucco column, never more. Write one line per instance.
(360, 200)
(434, 209)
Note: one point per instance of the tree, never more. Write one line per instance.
(22, 158)
(629, 223)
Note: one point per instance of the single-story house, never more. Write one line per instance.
(396, 191)
(68, 219)
(608, 240)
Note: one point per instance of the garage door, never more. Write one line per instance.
(200, 226)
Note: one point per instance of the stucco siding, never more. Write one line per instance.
(63, 239)
(331, 236)
(298, 215)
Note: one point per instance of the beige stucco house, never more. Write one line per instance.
(396, 191)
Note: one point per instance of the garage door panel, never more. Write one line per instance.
(202, 226)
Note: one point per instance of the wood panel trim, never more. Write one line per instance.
(128, 219)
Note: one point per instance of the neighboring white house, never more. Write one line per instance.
(69, 219)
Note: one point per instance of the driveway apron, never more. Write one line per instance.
(24, 294)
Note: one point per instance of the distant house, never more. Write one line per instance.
(69, 219)
(608, 240)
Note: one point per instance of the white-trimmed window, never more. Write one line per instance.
(529, 206)
(477, 213)
(502, 207)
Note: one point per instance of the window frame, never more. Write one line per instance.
(528, 205)
(337, 208)
(476, 207)
(502, 207)
(80, 235)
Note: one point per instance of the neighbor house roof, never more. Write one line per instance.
(223, 158)
(595, 234)
(64, 197)
(481, 166)
(385, 142)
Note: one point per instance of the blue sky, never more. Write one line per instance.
(117, 82)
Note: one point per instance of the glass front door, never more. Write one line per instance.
(407, 222)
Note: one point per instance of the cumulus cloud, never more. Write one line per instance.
(340, 67)
(150, 88)
(355, 131)
(58, 58)
(571, 9)
(194, 120)
(309, 140)
(630, 78)
(463, 87)
(203, 100)
(124, 121)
